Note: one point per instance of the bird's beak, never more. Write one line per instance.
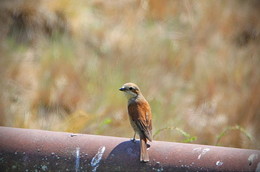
(122, 89)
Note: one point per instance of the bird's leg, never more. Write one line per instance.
(133, 139)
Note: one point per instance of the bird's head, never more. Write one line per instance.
(131, 90)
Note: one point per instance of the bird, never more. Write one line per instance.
(140, 117)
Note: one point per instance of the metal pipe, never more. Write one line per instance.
(37, 150)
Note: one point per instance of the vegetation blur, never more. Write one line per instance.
(196, 62)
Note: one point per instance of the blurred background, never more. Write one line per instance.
(196, 62)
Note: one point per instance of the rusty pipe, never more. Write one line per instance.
(37, 150)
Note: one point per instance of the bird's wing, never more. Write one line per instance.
(142, 117)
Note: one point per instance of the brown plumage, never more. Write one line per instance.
(140, 117)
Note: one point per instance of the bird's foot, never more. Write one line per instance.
(133, 140)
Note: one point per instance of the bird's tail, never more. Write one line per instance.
(144, 157)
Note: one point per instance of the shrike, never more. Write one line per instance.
(140, 117)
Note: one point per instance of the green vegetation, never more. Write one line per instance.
(188, 138)
(196, 62)
(228, 129)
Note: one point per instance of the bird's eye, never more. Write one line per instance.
(131, 88)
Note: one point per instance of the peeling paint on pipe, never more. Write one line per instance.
(37, 150)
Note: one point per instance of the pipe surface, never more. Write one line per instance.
(37, 150)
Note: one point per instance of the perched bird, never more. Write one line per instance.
(140, 117)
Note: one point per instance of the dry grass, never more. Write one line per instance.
(197, 63)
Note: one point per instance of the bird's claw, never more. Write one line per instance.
(133, 140)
